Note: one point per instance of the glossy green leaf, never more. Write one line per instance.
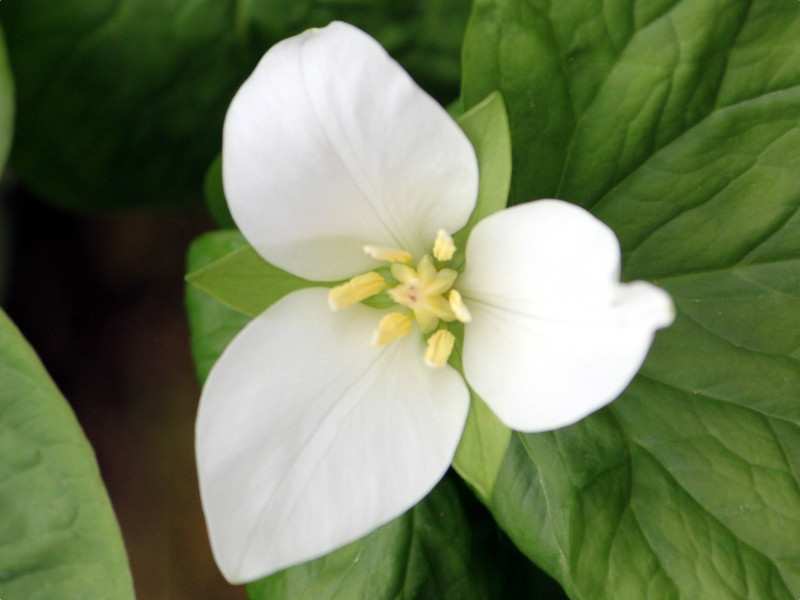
(121, 103)
(59, 539)
(430, 553)
(677, 122)
(444, 548)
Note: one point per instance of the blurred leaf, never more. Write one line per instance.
(59, 539)
(6, 134)
(6, 103)
(677, 122)
(121, 104)
(215, 195)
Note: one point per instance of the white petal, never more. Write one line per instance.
(329, 146)
(309, 438)
(554, 335)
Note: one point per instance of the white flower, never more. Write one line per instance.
(316, 426)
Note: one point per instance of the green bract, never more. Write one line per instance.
(58, 535)
(677, 124)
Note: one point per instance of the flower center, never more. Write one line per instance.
(421, 293)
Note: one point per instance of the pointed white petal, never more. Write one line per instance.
(330, 146)
(309, 438)
(554, 335)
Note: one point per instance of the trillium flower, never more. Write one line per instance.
(327, 417)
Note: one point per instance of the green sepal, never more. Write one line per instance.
(486, 126)
(482, 449)
(242, 280)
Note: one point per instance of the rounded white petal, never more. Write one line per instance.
(330, 146)
(554, 334)
(309, 438)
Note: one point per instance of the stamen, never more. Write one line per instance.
(389, 254)
(393, 326)
(458, 307)
(440, 346)
(443, 248)
(357, 289)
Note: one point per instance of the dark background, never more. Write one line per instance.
(100, 298)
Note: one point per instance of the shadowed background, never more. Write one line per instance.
(100, 298)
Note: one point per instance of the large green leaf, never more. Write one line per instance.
(6, 103)
(59, 539)
(444, 548)
(429, 553)
(677, 123)
(121, 103)
(6, 132)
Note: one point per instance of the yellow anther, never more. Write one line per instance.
(440, 346)
(458, 307)
(357, 289)
(393, 326)
(389, 254)
(443, 247)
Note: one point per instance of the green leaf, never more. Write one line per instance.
(215, 195)
(6, 103)
(428, 553)
(122, 104)
(446, 547)
(59, 539)
(243, 280)
(677, 122)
